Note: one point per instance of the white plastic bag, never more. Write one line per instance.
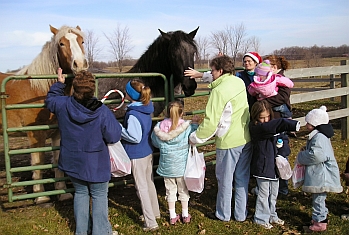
(284, 168)
(120, 163)
(298, 175)
(194, 175)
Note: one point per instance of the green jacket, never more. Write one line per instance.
(227, 114)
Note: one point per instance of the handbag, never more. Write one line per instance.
(298, 175)
(120, 163)
(194, 175)
(283, 167)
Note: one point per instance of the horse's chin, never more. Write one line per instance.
(189, 93)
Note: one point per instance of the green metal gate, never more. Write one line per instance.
(10, 185)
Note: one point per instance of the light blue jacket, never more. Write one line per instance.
(321, 169)
(174, 148)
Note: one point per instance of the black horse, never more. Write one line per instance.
(170, 54)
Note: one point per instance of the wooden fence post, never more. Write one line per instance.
(332, 84)
(344, 103)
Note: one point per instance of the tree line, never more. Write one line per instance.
(233, 41)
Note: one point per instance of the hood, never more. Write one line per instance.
(168, 136)
(79, 113)
(146, 109)
(325, 129)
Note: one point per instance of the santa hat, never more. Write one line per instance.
(317, 116)
(254, 55)
(263, 68)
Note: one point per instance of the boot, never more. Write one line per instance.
(318, 226)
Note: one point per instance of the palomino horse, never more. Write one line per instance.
(170, 53)
(65, 50)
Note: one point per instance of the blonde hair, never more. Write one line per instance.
(143, 90)
(174, 112)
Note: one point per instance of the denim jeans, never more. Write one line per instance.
(284, 111)
(233, 169)
(266, 201)
(320, 210)
(99, 221)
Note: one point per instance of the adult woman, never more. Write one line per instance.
(227, 114)
(86, 127)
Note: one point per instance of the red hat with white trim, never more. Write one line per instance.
(254, 55)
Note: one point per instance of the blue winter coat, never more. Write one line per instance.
(321, 169)
(85, 134)
(264, 137)
(174, 149)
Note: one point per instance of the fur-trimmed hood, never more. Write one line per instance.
(164, 136)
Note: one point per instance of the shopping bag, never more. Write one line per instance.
(120, 163)
(194, 175)
(283, 167)
(298, 175)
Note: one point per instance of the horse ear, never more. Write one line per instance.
(193, 33)
(165, 35)
(78, 27)
(53, 30)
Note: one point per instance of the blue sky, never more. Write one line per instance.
(24, 25)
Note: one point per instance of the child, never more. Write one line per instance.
(266, 84)
(321, 169)
(171, 137)
(136, 141)
(264, 133)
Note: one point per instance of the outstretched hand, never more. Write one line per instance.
(61, 77)
(192, 73)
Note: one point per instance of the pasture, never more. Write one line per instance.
(23, 217)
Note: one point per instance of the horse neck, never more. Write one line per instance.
(44, 63)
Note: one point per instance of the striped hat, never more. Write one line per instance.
(263, 68)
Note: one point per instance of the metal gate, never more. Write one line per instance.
(10, 184)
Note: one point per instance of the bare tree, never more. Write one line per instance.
(120, 42)
(219, 41)
(255, 44)
(230, 40)
(92, 50)
(203, 46)
(236, 35)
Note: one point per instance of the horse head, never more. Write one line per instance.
(181, 51)
(70, 50)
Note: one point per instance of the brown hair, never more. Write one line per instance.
(279, 61)
(174, 112)
(84, 86)
(223, 62)
(145, 91)
(258, 107)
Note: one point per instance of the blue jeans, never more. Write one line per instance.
(284, 111)
(99, 194)
(266, 201)
(320, 210)
(233, 168)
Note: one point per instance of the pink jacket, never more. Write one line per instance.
(268, 87)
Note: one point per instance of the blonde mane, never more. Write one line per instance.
(47, 61)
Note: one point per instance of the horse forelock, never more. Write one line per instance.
(66, 29)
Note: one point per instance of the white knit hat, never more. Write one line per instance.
(317, 116)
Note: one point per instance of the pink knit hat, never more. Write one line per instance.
(254, 55)
(263, 68)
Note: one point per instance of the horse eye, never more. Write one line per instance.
(82, 42)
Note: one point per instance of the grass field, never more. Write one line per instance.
(23, 217)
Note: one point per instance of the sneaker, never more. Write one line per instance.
(278, 221)
(173, 221)
(266, 226)
(115, 233)
(141, 217)
(150, 229)
(186, 219)
(345, 217)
